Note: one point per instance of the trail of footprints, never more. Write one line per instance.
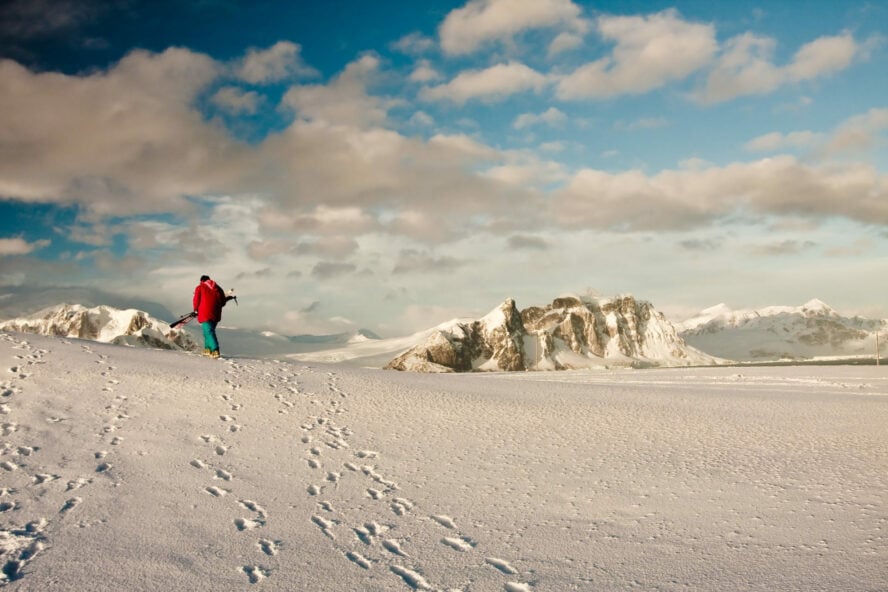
(368, 544)
(21, 544)
(365, 544)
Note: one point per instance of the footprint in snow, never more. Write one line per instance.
(461, 544)
(270, 548)
(255, 573)
(501, 565)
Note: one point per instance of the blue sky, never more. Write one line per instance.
(395, 164)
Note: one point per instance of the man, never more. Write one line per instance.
(209, 298)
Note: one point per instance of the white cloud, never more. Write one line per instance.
(856, 134)
(822, 56)
(127, 140)
(552, 117)
(19, 246)
(491, 84)
(345, 99)
(281, 61)
(687, 198)
(650, 52)
(746, 66)
(414, 44)
(466, 29)
(564, 42)
(859, 133)
(236, 101)
(424, 72)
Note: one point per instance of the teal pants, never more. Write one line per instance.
(210, 341)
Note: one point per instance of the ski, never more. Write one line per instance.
(183, 320)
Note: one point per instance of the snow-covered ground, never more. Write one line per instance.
(131, 469)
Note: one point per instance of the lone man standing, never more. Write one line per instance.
(209, 298)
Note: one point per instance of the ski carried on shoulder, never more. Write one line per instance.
(183, 320)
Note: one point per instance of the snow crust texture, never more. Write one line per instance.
(125, 469)
(570, 333)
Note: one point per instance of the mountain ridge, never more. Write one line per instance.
(810, 331)
(104, 324)
(570, 333)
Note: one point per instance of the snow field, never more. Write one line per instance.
(127, 469)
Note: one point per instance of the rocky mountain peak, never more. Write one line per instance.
(571, 332)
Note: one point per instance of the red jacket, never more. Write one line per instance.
(209, 298)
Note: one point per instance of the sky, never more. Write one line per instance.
(392, 165)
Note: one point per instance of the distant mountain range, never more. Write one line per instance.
(103, 323)
(813, 330)
(571, 332)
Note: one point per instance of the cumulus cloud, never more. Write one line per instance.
(345, 99)
(859, 133)
(19, 246)
(856, 134)
(491, 84)
(683, 199)
(746, 65)
(564, 42)
(650, 51)
(466, 29)
(414, 44)
(552, 117)
(236, 101)
(281, 61)
(424, 72)
(120, 142)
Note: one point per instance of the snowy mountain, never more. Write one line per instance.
(103, 323)
(569, 333)
(813, 330)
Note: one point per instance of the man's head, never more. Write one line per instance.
(204, 278)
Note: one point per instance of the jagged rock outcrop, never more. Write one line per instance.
(495, 342)
(571, 332)
(105, 324)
